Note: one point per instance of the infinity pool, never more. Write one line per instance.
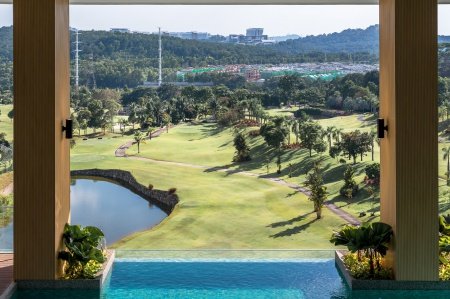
(232, 279)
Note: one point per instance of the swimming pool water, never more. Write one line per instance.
(300, 279)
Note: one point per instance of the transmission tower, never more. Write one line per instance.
(160, 58)
(77, 60)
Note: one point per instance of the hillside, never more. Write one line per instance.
(347, 41)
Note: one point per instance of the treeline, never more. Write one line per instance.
(347, 41)
(153, 107)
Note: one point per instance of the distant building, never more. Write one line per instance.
(193, 35)
(236, 38)
(121, 30)
(255, 35)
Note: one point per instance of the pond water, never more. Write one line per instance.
(117, 211)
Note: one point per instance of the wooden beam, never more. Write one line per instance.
(41, 154)
(409, 161)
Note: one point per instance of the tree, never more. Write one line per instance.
(337, 134)
(329, 132)
(354, 144)
(350, 188)
(372, 140)
(97, 114)
(311, 135)
(446, 156)
(318, 193)
(242, 149)
(3, 140)
(275, 134)
(6, 155)
(373, 173)
(11, 114)
(166, 121)
(138, 138)
(296, 129)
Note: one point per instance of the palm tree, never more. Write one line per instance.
(296, 129)
(337, 134)
(329, 132)
(446, 156)
(373, 138)
(288, 123)
(138, 137)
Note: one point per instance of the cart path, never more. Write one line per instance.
(7, 190)
(121, 152)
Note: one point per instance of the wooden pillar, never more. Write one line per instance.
(41, 153)
(409, 161)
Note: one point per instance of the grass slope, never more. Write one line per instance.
(216, 210)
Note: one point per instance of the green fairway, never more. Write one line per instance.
(234, 210)
(216, 210)
(6, 125)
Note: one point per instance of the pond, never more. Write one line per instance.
(114, 209)
(111, 207)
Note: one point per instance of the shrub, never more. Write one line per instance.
(350, 188)
(373, 172)
(242, 150)
(254, 133)
(342, 161)
(83, 254)
(150, 187)
(369, 242)
(172, 190)
(360, 269)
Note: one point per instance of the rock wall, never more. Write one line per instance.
(162, 199)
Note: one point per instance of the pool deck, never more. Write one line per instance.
(6, 274)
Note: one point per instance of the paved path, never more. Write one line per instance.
(121, 152)
(8, 190)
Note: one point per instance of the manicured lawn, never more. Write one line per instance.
(202, 144)
(206, 145)
(216, 210)
(6, 125)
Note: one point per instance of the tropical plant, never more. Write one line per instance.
(275, 134)
(138, 138)
(318, 192)
(369, 240)
(350, 188)
(329, 133)
(242, 149)
(84, 254)
(311, 135)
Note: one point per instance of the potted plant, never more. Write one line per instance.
(367, 246)
(84, 254)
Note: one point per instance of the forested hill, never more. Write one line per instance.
(178, 52)
(101, 45)
(347, 41)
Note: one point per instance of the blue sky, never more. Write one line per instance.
(277, 20)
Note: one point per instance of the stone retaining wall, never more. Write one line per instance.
(162, 199)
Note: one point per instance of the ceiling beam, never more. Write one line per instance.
(223, 2)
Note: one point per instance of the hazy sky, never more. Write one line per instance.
(277, 20)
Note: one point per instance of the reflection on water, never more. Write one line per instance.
(115, 209)
(6, 228)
